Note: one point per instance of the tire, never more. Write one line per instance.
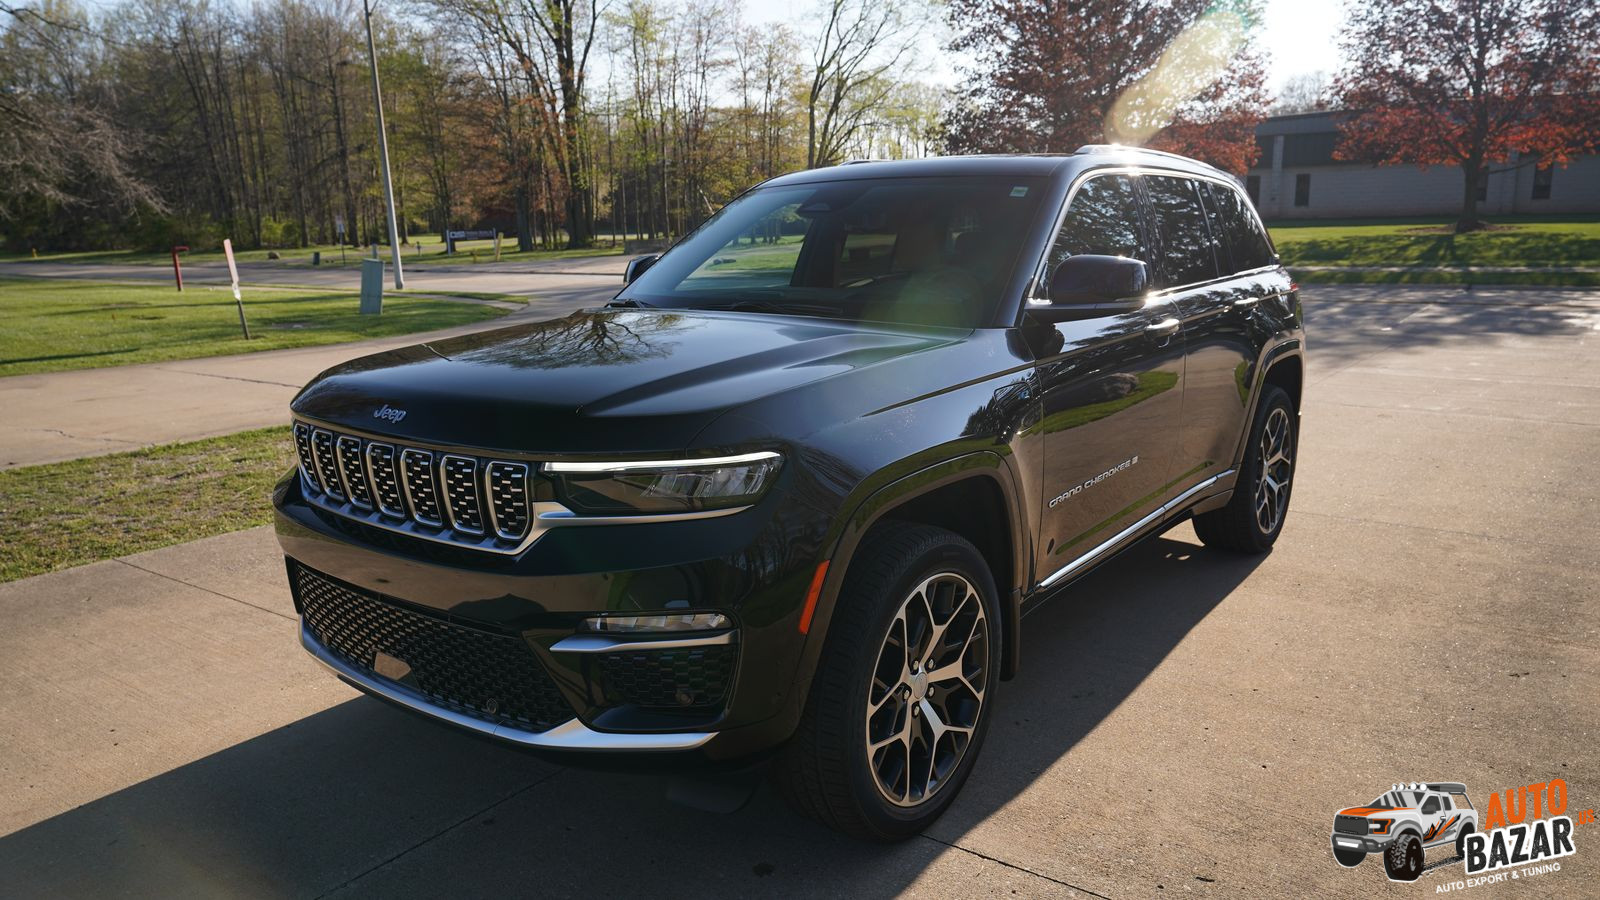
(1245, 525)
(1348, 858)
(904, 580)
(1461, 840)
(1403, 860)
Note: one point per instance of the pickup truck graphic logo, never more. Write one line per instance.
(1404, 823)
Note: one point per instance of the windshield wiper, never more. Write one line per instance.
(774, 306)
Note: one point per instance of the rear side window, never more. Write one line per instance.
(1244, 238)
(1186, 248)
(1104, 220)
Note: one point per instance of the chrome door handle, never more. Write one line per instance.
(1162, 328)
(1246, 301)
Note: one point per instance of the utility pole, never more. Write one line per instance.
(383, 154)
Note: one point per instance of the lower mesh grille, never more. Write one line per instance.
(492, 677)
(669, 679)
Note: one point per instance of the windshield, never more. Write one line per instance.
(922, 251)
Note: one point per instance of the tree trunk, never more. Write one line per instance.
(1472, 175)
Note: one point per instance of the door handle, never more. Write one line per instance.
(1163, 328)
(1246, 301)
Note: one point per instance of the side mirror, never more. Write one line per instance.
(1086, 286)
(637, 267)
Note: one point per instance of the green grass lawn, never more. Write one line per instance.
(48, 325)
(424, 250)
(1422, 243)
(70, 513)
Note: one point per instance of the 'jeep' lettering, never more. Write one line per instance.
(389, 413)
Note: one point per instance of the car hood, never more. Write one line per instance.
(611, 380)
(1371, 810)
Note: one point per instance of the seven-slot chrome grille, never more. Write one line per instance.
(462, 499)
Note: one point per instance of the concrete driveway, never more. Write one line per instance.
(1186, 722)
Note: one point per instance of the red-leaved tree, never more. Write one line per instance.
(1049, 76)
(1468, 82)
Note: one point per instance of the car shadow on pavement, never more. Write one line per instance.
(368, 798)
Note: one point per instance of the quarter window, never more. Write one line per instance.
(1246, 242)
(1186, 248)
(1103, 219)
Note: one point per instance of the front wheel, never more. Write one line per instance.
(1403, 860)
(1254, 516)
(900, 702)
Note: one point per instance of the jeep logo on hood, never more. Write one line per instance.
(389, 413)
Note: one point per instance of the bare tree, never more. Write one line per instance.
(861, 43)
(1302, 93)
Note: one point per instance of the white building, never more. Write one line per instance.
(1296, 177)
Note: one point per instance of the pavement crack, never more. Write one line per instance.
(231, 377)
(1010, 865)
(439, 834)
(81, 437)
(206, 589)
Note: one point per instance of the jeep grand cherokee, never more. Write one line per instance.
(789, 494)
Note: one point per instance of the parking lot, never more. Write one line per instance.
(1186, 722)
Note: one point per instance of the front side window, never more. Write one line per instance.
(1103, 219)
(1186, 249)
(1247, 243)
(1431, 806)
(918, 251)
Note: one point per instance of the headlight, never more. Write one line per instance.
(666, 486)
(1378, 826)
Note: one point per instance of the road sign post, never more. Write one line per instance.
(233, 273)
(177, 270)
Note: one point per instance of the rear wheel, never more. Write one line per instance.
(1254, 516)
(1461, 840)
(900, 702)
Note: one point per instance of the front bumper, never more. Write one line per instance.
(570, 735)
(753, 566)
(1361, 843)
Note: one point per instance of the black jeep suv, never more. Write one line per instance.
(790, 494)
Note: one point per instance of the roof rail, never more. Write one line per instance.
(857, 162)
(1124, 148)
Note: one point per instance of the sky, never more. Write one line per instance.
(1299, 36)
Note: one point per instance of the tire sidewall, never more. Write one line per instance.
(1274, 398)
(1411, 866)
(884, 817)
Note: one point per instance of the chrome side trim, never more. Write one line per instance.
(604, 643)
(569, 735)
(629, 466)
(1128, 532)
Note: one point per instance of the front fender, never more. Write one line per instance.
(879, 503)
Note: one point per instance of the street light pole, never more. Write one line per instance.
(383, 153)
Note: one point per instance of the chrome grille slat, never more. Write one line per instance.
(421, 486)
(356, 486)
(506, 488)
(385, 480)
(302, 445)
(459, 475)
(455, 497)
(327, 467)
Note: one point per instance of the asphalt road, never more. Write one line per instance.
(1186, 722)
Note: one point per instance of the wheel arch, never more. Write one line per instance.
(974, 495)
(1281, 365)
